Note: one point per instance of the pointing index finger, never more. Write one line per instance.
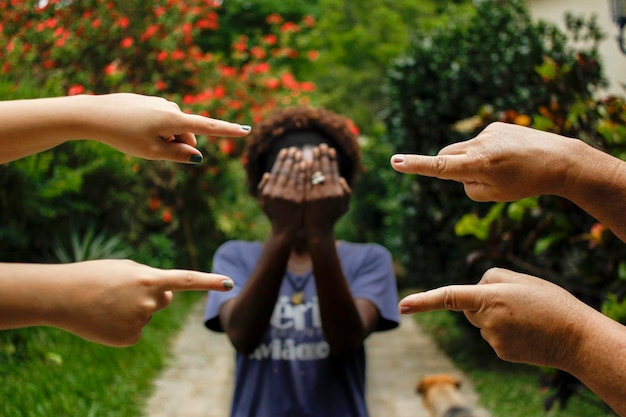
(194, 123)
(452, 297)
(447, 167)
(182, 280)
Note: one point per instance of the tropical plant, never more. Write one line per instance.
(91, 246)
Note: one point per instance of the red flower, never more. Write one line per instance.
(155, 203)
(178, 55)
(307, 86)
(258, 52)
(219, 92)
(160, 85)
(76, 89)
(274, 19)
(272, 83)
(227, 146)
(290, 27)
(261, 68)
(162, 56)
(96, 23)
(313, 55)
(240, 47)
(353, 128)
(123, 22)
(167, 215)
(159, 11)
(150, 31)
(308, 21)
(270, 39)
(126, 42)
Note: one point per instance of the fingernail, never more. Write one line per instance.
(195, 158)
(246, 128)
(405, 310)
(228, 284)
(397, 159)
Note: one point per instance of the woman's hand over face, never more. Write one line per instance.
(326, 196)
(281, 192)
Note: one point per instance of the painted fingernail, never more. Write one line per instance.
(228, 284)
(195, 158)
(397, 159)
(405, 310)
(246, 128)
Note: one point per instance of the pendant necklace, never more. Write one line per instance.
(298, 296)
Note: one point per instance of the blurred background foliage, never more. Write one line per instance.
(413, 76)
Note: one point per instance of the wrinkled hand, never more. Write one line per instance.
(505, 162)
(110, 301)
(151, 127)
(525, 319)
(281, 192)
(328, 200)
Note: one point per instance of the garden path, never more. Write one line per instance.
(198, 380)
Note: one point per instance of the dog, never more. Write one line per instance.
(441, 396)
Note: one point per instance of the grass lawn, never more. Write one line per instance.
(505, 389)
(48, 372)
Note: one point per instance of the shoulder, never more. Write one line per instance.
(367, 250)
(237, 246)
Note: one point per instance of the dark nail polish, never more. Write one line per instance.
(195, 158)
(246, 128)
(228, 284)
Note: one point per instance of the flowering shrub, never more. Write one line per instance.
(159, 48)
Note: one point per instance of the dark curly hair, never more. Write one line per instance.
(334, 129)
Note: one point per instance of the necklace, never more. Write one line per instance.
(298, 296)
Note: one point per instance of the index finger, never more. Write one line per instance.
(183, 280)
(452, 297)
(447, 167)
(194, 123)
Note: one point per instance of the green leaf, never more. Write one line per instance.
(470, 224)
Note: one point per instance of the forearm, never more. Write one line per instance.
(247, 317)
(600, 361)
(30, 293)
(31, 126)
(343, 327)
(597, 183)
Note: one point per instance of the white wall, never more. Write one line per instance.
(613, 60)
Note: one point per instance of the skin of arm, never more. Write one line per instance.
(104, 301)
(143, 126)
(245, 318)
(346, 321)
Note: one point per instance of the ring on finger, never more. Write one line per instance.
(317, 178)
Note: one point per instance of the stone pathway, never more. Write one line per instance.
(198, 381)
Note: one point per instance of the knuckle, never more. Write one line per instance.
(440, 164)
(449, 300)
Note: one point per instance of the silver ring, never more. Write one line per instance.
(317, 178)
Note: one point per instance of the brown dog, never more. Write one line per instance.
(441, 396)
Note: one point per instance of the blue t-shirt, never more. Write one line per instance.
(291, 373)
